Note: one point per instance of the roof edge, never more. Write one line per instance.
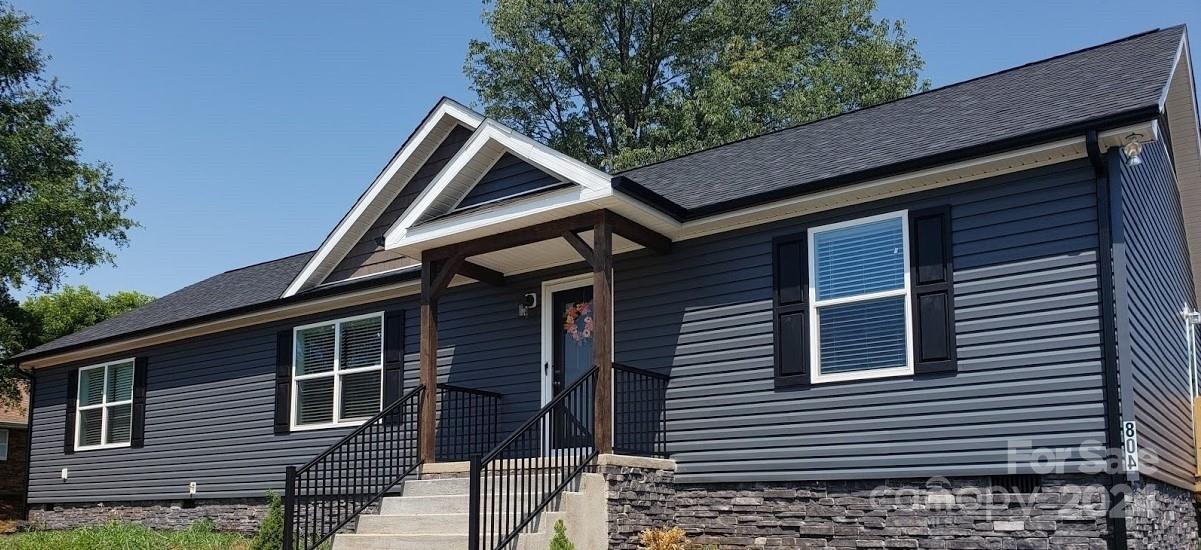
(1134, 116)
(295, 299)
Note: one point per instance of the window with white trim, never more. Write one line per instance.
(4, 444)
(104, 405)
(859, 299)
(336, 371)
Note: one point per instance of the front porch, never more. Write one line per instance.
(465, 411)
(624, 402)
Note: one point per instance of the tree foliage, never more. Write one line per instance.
(56, 210)
(43, 318)
(626, 82)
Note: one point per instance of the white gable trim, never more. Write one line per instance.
(445, 115)
(491, 140)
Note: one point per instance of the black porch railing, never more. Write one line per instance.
(324, 495)
(639, 411)
(468, 422)
(514, 482)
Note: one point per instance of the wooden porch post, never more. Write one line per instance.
(429, 363)
(602, 333)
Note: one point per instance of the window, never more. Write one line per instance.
(336, 370)
(859, 299)
(3, 445)
(104, 406)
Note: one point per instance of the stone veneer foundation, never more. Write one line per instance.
(1063, 513)
(1161, 516)
(237, 515)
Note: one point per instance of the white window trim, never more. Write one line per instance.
(4, 455)
(104, 405)
(337, 373)
(816, 376)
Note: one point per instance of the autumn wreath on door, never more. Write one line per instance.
(577, 321)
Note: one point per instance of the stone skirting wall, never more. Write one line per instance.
(1065, 512)
(641, 496)
(240, 515)
(1159, 515)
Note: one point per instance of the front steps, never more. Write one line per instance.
(431, 514)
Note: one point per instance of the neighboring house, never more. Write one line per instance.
(839, 334)
(14, 458)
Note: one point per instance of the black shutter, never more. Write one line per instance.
(790, 310)
(72, 396)
(933, 290)
(394, 355)
(137, 437)
(283, 381)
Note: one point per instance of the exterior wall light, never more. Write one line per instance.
(1132, 149)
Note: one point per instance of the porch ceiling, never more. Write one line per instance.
(543, 254)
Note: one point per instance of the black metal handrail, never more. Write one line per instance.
(324, 495)
(468, 422)
(639, 411)
(514, 482)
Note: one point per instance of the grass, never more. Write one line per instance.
(126, 536)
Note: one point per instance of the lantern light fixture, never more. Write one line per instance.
(1132, 149)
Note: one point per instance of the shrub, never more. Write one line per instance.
(271, 530)
(664, 538)
(561, 542)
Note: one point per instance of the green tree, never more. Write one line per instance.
(627, 82)
(40, 319)
(560, 540)
(271, 530)
(57, 211)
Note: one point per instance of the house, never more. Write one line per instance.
(14, 458)
(966, 319)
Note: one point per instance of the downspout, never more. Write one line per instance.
(1109, 346)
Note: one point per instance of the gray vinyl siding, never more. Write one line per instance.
(209, 419)
(1153, 287)
(509, 176)
(1026, 305)
(366, 257)
(483, 344)
(1027, 333)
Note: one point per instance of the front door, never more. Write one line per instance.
(570, 335)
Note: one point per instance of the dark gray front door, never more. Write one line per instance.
(572, 353)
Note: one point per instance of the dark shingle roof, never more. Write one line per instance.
(1119, 77)
(1125, 77)
(235, 289)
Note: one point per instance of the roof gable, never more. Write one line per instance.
(424, 141)
(368, 257)
(509, 177)
(480, 160)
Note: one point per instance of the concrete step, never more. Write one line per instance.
(447, 504)
(400, 542)
(462, 486)
(435, 487)
(439, 504)
(418, 524)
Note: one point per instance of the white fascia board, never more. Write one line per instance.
(446, 107)
(592, 183)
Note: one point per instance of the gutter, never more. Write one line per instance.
(1107, 213)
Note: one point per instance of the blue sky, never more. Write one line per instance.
(247, 129)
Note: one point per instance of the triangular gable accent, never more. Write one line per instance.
(443, 118)
(509, 177)
(491, 143)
